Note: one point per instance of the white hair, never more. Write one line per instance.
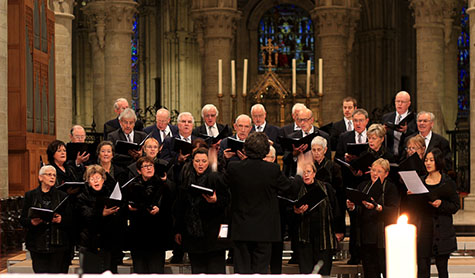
(258, 106)
(116, 103)
(46, 168)
(319, 140)
(208, 107)
(298, 106)
(185, 114)
(163, 110)
(242, 116)
(128, 113)
(432, 116)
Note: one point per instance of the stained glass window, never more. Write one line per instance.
(291, 28)
(135, 64)
(464, 66)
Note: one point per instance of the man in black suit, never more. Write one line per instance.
(127, 133)
(254, 185)
(209, 113)
(286, 130)
(185, 128)
(305, 120)
(357, 135)
(395, 138)
(162, 129)
(258, 114)
(242, 126)
(346, 124)
(119, 106)
(425, 123)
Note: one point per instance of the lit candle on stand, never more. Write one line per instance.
(320, 77)
(244, 79)
(233, 78)
(401, 260)
(220, 78)
(309, 72)
(294, 77)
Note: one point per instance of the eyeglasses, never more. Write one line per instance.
(148, 166)
(95, 179)
(401, 101)
(79, 137)
(307, 172)
(304, 120)
(49, 175)
(359, 120)
(186, 122)
(414, 149)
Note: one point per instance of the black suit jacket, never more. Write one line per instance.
(286, 130)
(411, 129)
(167, 152)
(156, 133)
(254, 186)
(272, 132)
(337, 129)
(120, 135)
(114, 124)
(202, 129)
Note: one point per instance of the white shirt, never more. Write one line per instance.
(427, 139)
(312, 130)
(130, 137)
(346, 124)
(208, 130)
(296, 127)
(363, 136)
(167, 132)
(187, 139)
(262, 127)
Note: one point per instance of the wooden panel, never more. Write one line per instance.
(14, 77)
(14, 111)
(17, 173)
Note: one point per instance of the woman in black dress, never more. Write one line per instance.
(65, 172)
(47, 240)
(199, 216)
(433, 216)
(101, 231)
(374, 216)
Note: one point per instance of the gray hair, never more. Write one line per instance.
(432, 116)
(75, 127)
(185, 114)
(243, 116)
(258, 106)
(376, 129)
(128, 113)
(298, 106)
(360, 111)
(319, 140)
(116, 103)
(208, 107)
(163, 110)
(46, 168)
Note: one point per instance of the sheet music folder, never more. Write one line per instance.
(289, 143)
(45, 214)
(312, 198)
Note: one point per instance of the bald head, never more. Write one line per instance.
(77, 134)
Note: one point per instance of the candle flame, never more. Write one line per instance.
(402, 219)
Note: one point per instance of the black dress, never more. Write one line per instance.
(199, 222)
(48, 243)
(149, 235)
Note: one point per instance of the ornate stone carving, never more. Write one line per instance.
(120, 16)
(216, 23)
(428, 12)
(96, 17)
(62, 8)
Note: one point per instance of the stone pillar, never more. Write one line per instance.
(63, 14)
(469, 201)
(3, 99)
(336, 22)
(430, 44)
(216, 28)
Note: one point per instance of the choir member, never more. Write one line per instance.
(259, 114)
(416, 144)
(119, 106)
(185, 129)
(209, 113)
(349, 105)
(286, 130)
(114, 173)
(65, 172)
(47, 240)
(242, 126)
(162, 129)
(151, 149)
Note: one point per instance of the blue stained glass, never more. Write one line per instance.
(135, 64)
(463, 44)
(291, 28)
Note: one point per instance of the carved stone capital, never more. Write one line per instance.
(120, 16)
(216, 23)
(428, 13)
(62, 8)
(96, 20)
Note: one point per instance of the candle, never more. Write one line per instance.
(233, 78)
(220, 78)
(294, 77)
(309, 72)
(244, 79)
(320, 77)
(401, 249)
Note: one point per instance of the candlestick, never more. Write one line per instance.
(309, 72)
(320, 77)
(220, 78)
(294, 77)
(244, 79)
(401, 249)
(233, 78)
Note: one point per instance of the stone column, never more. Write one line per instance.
(430, 42)
(63, 14)
(216, 28)
(469, 201)
(336, 23)
(96, 14)
(4, 99)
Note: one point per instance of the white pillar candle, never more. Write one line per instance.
(220, 78)
(401, 260)
(244, 79)
(309, 73)
(294, 77)
(233, 78)
(320, 76)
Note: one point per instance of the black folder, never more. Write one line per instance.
(312, 198)
(356, 148)
(363, 162)
(414, 162)
(235, 144)
(161, 167)
(123, 147)
(404, 121)
(289, 143)
(72, 150)
(72, 187)
(357, 197)
(210, 140)
(110, 203)
(182, 146)
(45, 214)
(202, 189)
